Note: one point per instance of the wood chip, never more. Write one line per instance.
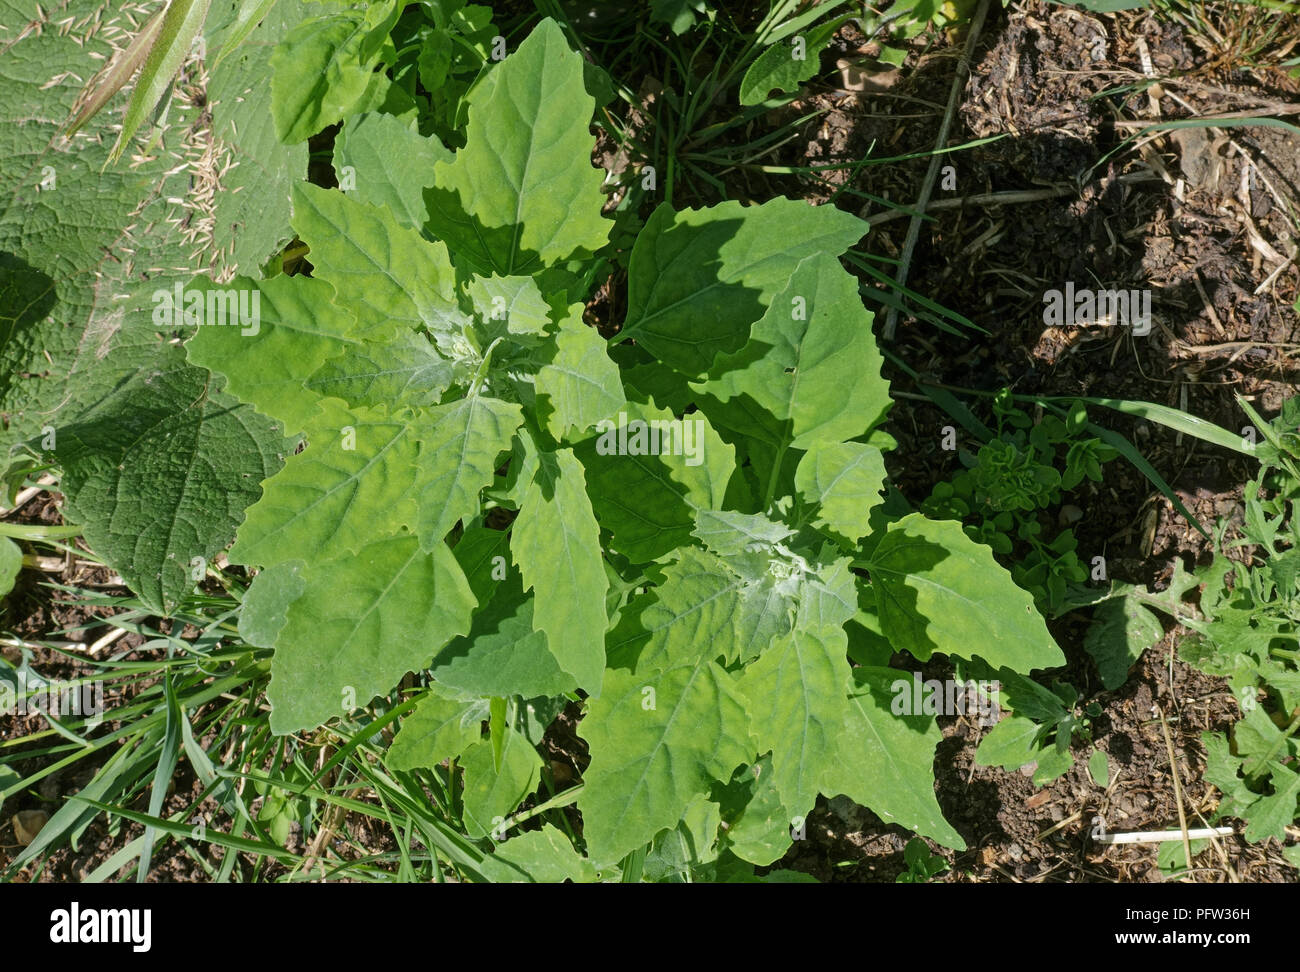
(1038, 799)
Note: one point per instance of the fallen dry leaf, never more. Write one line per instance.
(28, 823)
(865, 74)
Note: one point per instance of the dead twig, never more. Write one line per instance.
(1009, 197)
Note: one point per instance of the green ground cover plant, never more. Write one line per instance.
(438, 368)
(1020, 471)
(446, 422)
(1246, 632)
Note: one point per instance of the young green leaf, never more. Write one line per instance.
(810, 361)
(492, 792)
(785, 65)
(938, 590)
(266, 602)
(395, 163)
(1099, 768)
(323, 68)
(556, 544)
(11, 562)
(299, 330)
(886, 759)
(649, 501)
(406, 370)
(357, 479)
(520, 195)
(459, 446)
(694, 611)
(364, 620)
(503, 655)
(725, 265)
(547, 857)
(391, 271)
(580, 385)
(846, 481)
(797, 705)
(1121, 630)
(439, 727)
(657, 741)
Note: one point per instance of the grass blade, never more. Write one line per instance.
(1179, 421)
(251, 13)
(108, 82)
(178, 828)
(162, 775)
(1130, 452)
(181, 23)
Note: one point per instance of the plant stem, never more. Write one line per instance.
(772, 479)
(562, 799)
(38, 531)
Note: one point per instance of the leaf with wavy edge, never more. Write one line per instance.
(364, 620)
(394, 274)
(556, 544)
(657, 742)
(723, 265)
(356, 480)
(522, 193)
(886, 761)
(939, 590)
(459, 446)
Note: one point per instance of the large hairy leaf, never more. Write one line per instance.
(250, 208)
(158, 487)
(158, 462)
